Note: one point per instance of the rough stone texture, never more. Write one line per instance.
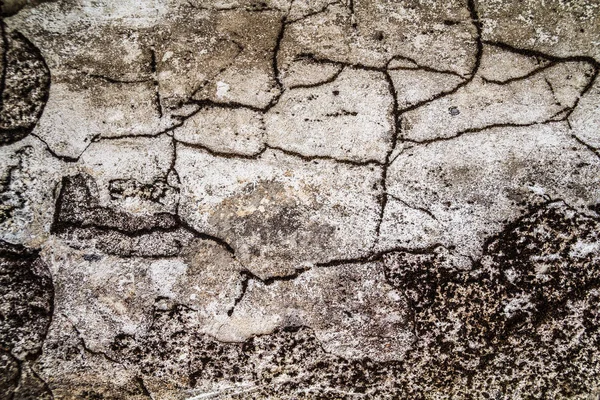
(280, 212)
(286, 199)
(27, 294)
(25, 81)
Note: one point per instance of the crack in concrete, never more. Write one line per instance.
(246, 276)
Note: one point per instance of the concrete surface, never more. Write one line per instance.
(284, 199)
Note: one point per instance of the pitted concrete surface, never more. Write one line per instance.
(284, 199)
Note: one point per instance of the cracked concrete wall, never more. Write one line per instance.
(290, 199)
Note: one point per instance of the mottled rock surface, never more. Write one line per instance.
(284, 199)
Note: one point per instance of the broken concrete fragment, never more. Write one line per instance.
(547, 95)
(84, 222)
(365, 34)
(349, 118)
(569, 80)
(280, 212)
(144, 163)
(507, 170)
(500, 64)
(109, 44)
(559, 28)
(77, 113)
(27, 172)
(347, 323)
(256, 35)
(118, 293)
(413, 86)
(408, 226)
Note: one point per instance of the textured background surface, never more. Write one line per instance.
(290, 199)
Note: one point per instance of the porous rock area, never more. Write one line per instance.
(299, 199)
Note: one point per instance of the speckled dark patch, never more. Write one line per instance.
(26, 308)
(27, 301)
(24, 86)
(468, 346)
(79, 217)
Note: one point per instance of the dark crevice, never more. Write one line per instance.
(521, 77)
(153, 69)
(275, 61)
(538, 54)
(172, 171)
(331, 79)
(395, 134)
(421, 67)
(325, 158)
(379, 255)
(258, 154)
(482, 129)
(68, 159)
(422, 209)
(549, 84)
(341, 113)
(353, 21)
(135, 136)
(119, 81)
(109, 79)
(222, 154)
(140, 381)
(205, 103)
(247, 276)
(320, 60)
(253, 8)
